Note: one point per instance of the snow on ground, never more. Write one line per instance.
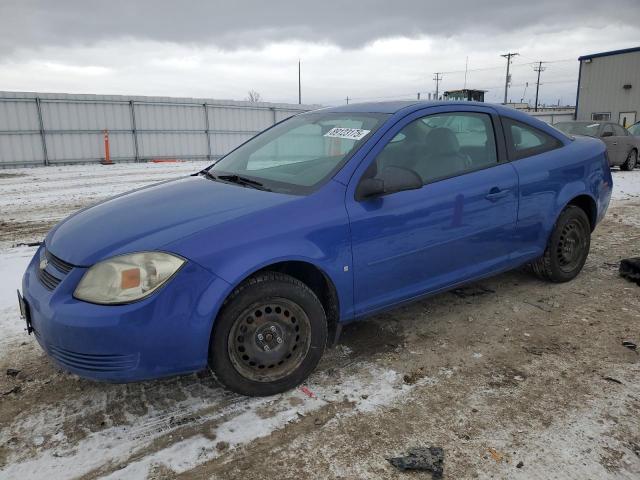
(13, 263)
(22, 189)
(33, 200)
(239, 423)
(626, 185)
(626, 188)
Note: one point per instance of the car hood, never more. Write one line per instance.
(148, 218)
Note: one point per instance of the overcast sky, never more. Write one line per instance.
(361, 49)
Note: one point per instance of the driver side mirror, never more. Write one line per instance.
(390, 180)
(607, 134)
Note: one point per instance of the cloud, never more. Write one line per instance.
(240, 23)
(364, 50)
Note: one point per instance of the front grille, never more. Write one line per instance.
(47, 279)
(92, 362)
(58, 263)
(55, 270)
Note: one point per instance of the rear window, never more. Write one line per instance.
(619, 131)
(590, 129)
(524, 140)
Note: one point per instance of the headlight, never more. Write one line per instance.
(127, 278)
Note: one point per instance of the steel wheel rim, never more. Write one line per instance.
(571, 246)
(269, 340)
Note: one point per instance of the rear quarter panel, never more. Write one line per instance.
(549, 181)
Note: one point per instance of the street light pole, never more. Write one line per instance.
(299, 85)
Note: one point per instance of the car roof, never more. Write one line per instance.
(406, 105)
(595, 122)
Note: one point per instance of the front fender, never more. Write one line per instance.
(243, 267)
(313, 229)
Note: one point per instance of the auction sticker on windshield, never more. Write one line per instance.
(349, 133)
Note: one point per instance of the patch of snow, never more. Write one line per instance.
(244, 422)
(626, 185)
(13, 263)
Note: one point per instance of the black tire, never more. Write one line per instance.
(269, 335)
(567, 248)
(631, 161)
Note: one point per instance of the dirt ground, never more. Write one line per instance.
(513, 377)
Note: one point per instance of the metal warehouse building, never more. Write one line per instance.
(50, 128)
(609, 86)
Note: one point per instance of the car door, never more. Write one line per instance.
(607, 135)
(457, 226)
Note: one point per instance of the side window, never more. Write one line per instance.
(607, 130)
(524, 140)
(441, 145)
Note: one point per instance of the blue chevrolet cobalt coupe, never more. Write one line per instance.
(252, 266)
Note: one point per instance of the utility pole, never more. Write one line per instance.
(299, 85)
(538, 69)
(508, 56)
(437, 78)
(347, 99)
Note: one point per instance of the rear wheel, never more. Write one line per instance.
(631, 161)
(269, 336)
(568, 247)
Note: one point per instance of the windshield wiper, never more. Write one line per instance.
(208, 174)
(240, 180)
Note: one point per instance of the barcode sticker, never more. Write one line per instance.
(348, 133)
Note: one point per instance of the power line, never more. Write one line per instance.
(513, 65)
(507, 80)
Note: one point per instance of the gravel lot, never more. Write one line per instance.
(513, 377)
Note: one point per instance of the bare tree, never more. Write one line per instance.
(253, 96)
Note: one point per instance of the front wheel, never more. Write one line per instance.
(631, 161)
(567, 248)
(269, 336)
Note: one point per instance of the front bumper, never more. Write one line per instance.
(165, 334)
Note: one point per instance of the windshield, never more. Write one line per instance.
(300, 153)
(579, 128)
(635, 129)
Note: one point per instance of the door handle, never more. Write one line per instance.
(614, 143)
(495, 194)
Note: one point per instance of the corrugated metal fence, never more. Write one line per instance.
(48, 129)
